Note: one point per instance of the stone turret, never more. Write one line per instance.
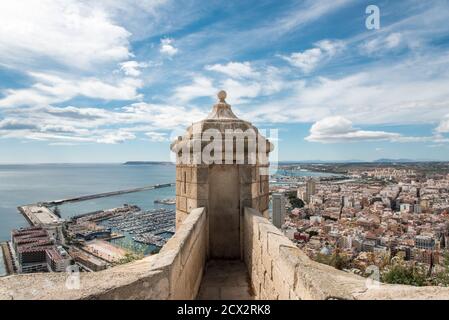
(222, 165)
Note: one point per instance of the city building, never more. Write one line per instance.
(30, 247)
(278, 205)
(424, 242)
(35, 251)
(58, 259)
(310, 189)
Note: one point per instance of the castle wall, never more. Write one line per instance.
(279, 270)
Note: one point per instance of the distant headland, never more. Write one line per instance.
(138, 163)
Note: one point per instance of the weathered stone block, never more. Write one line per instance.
(179, 185)
(179, 176)
(195, 203)
(180, 217)
(186, 174)
(245, 191)
(255, 203)
(288, 264)
(265, 187)
(275, 241)
(255, 189)
(247, 174)
(200, 174)
(181, 203)
(202, 191)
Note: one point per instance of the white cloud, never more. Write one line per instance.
(338, 129)
(250, 84)
(309, 59)
(243, 91)
(69, 49)
(157, 136)
(167, 47)
(200, 87)
(77, 34)
(443, 127)
(132, 68)
(234, 69)
(115, 137)
(415, 90)
(50, 88)
(96, 125)
(382, 43)
(240, 92)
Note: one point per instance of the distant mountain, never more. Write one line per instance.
(139, 163)
(320, 161)
(384, 160)
(402, 160)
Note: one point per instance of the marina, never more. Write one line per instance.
(146, 227)
(101, 215)
(165, 201)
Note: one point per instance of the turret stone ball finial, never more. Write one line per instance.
(222, 96)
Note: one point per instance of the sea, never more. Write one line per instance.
(27, 184)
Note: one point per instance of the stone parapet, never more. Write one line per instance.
(174, 273)
(279, 270)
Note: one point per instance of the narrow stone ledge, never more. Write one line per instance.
(403, 292)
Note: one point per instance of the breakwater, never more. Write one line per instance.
(105, 194)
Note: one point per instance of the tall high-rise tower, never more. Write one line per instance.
(278, 201)
(310, 189)
(222, 164)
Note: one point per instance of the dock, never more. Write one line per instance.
(105, 194)
(37, 215)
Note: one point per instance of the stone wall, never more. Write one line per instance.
(279, 270)
(174, 273)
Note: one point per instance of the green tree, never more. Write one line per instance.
(335, 260)
(294, 200)
(338, 261)
(442, 278)
(401, 273)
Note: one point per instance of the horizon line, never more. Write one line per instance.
(280, 161)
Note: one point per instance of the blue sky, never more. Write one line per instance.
(114, 80)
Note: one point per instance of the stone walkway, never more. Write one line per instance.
(225, 280)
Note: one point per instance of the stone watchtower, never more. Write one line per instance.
(222, 165)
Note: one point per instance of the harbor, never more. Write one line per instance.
(98, 238)
(146, 227)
